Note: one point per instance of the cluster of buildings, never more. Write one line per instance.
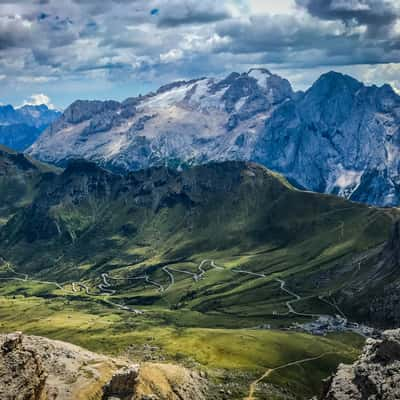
(329, 324)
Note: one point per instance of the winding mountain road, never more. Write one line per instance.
(212, 263)
(201, 270)
(289, 303)
(282, 283)
(196, 276)
(241, 271)
(10, 268)
(171, 277)
(154, 283)
(106, 287)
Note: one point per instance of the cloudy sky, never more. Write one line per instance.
(56, 51)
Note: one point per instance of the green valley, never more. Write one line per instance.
(207, 267)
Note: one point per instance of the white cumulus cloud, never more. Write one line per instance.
(39, 99)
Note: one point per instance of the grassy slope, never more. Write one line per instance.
(239, 216)
(245, 353)
(19, 180)
(243, 217)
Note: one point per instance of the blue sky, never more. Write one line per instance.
(96, 49)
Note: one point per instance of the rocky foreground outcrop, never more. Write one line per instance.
(375, 376)
(21, 370)
(35, 368)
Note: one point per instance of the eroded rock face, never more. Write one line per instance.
(22, 375)
(171, 382)
(375, 376)
(122, 385)
(35, 368)
(156, 382)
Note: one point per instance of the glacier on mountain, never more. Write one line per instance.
(340, 136)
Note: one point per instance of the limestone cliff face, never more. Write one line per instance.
(171, 382)
(122, 385)
(340, 136)
(35, 368)
(22, 374)
(375, 376)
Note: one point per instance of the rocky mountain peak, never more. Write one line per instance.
(263, 71)
(278, 88)
(331, 93)
(20, 127)
(336, 80)
(83, 110)
(177, 84)
(36, 116)
(340, 136)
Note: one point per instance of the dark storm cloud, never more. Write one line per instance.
(378, 16)
(178, 12)
(128, 39)
(14, 33)
(331, 33)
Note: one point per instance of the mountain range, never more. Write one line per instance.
(340, 136)
(138, 223)
(202, 267)
(20, 127)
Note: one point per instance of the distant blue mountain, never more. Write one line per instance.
(20, 127)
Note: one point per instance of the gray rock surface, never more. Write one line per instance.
(339, 137)
(182, 123)
(122, 384)
(21, 370)
(375, 376)
(36, 368)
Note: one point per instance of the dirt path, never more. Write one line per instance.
(268, 372)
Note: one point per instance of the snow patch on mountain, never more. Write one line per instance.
(261, 76)
(348, 178)
(347, 181)
(166, 99)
